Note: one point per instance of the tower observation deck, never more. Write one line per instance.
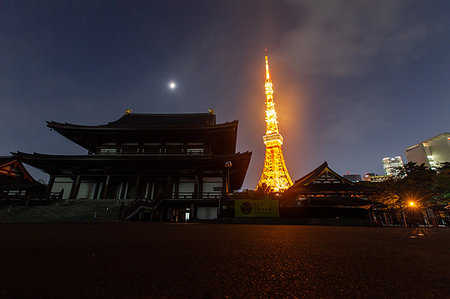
(275, 175)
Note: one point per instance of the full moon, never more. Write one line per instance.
(172, 85)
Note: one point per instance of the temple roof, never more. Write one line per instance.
(6, 159)
(13, 175)
(12, 169)
(191, 127)
(323, 178)
(316, 173)
(151, 121)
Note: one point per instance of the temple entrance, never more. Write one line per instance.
(180, 215)
(160, 189)
(122, 188)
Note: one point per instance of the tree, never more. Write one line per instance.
(441, 185)
(418, 184)
(388, 198)
(263, 192)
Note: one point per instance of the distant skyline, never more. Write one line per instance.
(354, 81)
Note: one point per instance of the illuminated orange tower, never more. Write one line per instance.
(275, 174)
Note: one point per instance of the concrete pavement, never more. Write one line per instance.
(154, 260)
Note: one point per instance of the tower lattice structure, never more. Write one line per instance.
(275, 175)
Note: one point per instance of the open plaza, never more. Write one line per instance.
(167, 260)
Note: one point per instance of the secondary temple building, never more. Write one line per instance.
(16, 182)
(183, 164)
(323, 187)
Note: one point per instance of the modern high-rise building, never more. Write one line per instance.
(431, 152)
(354, 178)
(392, 166)
(375, 178)
(275, 175)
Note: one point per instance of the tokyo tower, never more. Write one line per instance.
(275, 175)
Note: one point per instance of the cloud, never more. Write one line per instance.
(353, 118)
(348, 37)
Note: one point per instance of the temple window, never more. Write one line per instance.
(107, 148)
(151, 148)
(174, 148)
(107, 151)
(195, 148)
(122, 187)
(129, 148)
(186, 187)
(212, 187)
(90, 188)
(62, 184)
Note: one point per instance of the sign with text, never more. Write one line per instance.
(256, 208)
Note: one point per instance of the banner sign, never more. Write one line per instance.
(256, 208)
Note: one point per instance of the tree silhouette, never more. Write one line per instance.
(417, 183)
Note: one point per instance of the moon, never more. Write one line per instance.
(172, 85)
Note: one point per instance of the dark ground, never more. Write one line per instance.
(148, 260)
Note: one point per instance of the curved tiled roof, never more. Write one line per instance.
(137, 120)
(189, 127)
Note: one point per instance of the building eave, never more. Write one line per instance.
(427, 141)
(50, 163)
(89, 136)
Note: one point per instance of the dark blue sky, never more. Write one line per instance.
(355, 81)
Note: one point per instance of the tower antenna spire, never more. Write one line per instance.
(267, 66)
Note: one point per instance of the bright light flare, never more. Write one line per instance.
(411, 204)
(172, 85)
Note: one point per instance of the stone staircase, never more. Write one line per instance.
(64, 211)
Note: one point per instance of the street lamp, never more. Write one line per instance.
(411, 211)
(228, 165)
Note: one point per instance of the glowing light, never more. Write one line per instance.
(411, 204)
(172, 85)
(275, 175)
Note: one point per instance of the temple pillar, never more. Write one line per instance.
(225, 185)
(175, 188)
(75, 186)
(197, 188)
(169, 187)
(137, 191)
(51, 181)
(105, 188)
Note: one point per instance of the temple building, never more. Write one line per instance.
(16, 182)
(178, 165)
(324, 187)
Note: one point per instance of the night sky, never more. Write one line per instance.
(355, 81)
